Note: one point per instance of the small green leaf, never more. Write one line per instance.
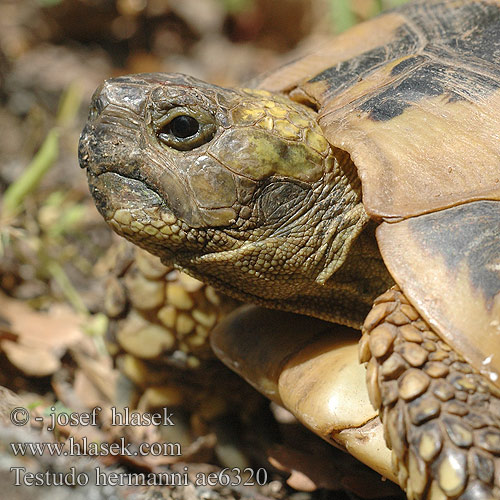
(69, 104)
(341, 15)
(59, 275)
(49, 3)
(34, 173)
(235, 6)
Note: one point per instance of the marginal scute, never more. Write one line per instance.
(447, 263)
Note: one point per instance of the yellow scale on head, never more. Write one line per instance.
(286, 122)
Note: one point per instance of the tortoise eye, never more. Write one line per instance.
(185, 129)
(184, 126)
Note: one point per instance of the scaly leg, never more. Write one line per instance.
(441, 417)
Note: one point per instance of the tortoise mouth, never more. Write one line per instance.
(114, 191)
(136, 211)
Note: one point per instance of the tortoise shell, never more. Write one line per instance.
(414, 97)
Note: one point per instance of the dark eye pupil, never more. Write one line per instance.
(184, 126)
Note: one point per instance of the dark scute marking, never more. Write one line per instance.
(470, 27)
(485, 44)
(424, 82)
(469, 234)
(407, 64)
(463, 50)
(429, 80)
(347, 73)
(384, 107)
(456, 48)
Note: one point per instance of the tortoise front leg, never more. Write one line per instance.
(441, 417)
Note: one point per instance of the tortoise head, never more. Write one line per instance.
(231, 185)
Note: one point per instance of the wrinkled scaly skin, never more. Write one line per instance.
(254, 201)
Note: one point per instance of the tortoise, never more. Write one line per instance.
(359, 185)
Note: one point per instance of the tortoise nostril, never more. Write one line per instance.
(97, 105)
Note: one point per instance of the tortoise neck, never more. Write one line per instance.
(361, 279)
(347, 296)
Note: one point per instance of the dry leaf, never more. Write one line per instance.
(37, 340)
(33, 361)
